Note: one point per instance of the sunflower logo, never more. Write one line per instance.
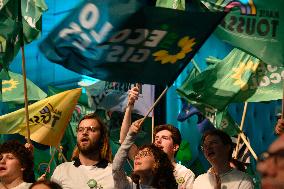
(12, 84)
(185, 44)
(240, 71)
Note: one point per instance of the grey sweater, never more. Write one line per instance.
(121, 180)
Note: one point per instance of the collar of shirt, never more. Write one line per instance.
(101, 164)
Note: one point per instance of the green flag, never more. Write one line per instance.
(255, 26)
(128, 46)
(239, 77)
(55, 90)
(14, 22)
(9, 43)
(31, 18)
(173, 4)
(220, 119)
(13, 89)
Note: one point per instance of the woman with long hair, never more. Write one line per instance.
(152, 167)
(16, 165)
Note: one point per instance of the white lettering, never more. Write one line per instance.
(113, 55)
(74, 29)
(155, 37)
(142, 34)
(120, 36)
(89, 16)
(128, 53)
(140, 56)
(271, 68)
(275, 78)
(264, 82)
(99, 37)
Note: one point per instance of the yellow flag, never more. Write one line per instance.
(48, 118)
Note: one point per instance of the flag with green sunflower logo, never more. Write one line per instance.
(239, 77)
(13, 89)
(128, 41)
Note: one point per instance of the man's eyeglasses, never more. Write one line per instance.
(276, 155)
(89, 129)
(206, 146)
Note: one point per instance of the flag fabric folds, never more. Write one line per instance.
(114, 96)
(239, 77)
(48, 118)
(13, 89)
(13, 25)
(255, 26)
(173, 4)
(126, 41)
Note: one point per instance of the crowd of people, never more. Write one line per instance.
(92, 166)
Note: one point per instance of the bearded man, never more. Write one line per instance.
(91, 166)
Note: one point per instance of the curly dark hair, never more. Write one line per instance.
(50, 184)
(24, 155)
(163, 171)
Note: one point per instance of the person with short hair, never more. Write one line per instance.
(91, 166)
(217, 147)
(45, 184)
(16, 165)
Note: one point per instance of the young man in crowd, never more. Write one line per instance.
(217, 148)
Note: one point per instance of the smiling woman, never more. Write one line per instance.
(16, 165)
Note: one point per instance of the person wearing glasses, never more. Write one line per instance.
(152, 167)
(91, 166)
(271, 165)
(217, 147)
(166, 137)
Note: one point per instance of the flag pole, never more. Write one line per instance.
(196, 65)
(153, 106)
(282, 100)
(241, 128)
(242, 135)
(24, 72)
(50, 161)
(153, 126)
(61, 153)
(25, 94)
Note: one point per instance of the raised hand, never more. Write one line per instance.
(133, 94)
(136, 125)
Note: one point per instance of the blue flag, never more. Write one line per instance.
(127, 41)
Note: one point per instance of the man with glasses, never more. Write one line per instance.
(271, 165)
(217, 147)
(91, 167)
